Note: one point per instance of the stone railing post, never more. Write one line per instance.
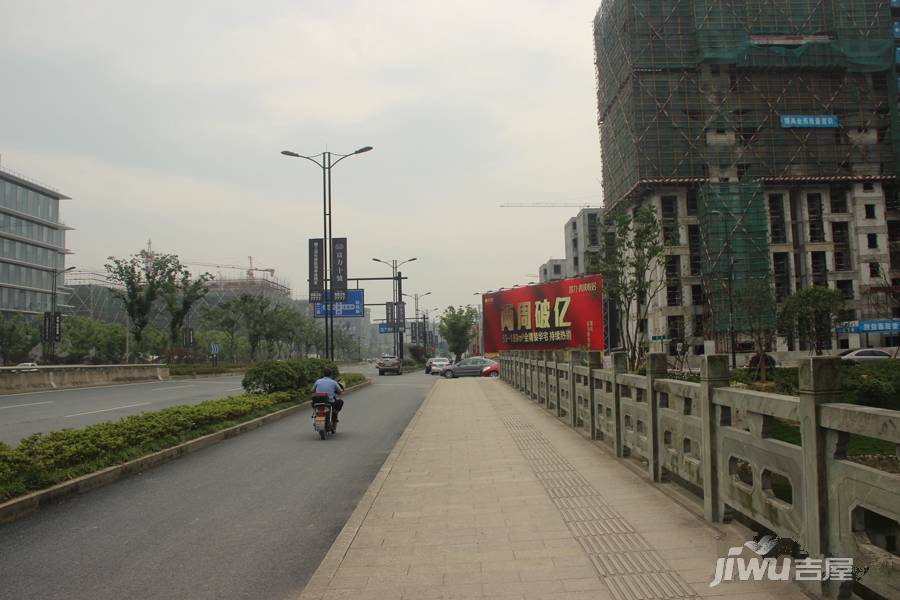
(594, 361)
(572, 418)
(820, 382)
(713, 373)
(657, 367)
(620, 366)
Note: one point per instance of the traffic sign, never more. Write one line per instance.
(353, 306)
(387, 328)
(661, 338)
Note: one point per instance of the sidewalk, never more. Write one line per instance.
(487, 496)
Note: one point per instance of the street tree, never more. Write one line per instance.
(758, 313)
(455, 326)
(144, 277)
(86, 340)
(255, 312)
(180, 294)
(631, 267)
(224, 317)
(811, 314)
(18, 337)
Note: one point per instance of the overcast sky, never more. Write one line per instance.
(164, 120)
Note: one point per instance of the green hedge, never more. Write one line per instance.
(178, 370)
(286, 375)
(45, 459)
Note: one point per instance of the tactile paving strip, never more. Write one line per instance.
(631, 569)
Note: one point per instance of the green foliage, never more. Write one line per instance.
(180, 294)
(224, 317)
(286, 375)
(455, 326)
(255, 312)
(874, 383)
(87, 341)
(631, 273)
(18, 337)
(42, 460)
(352, 379)
(202, 369)
(144, 277)
(811, 314)
(418, 354)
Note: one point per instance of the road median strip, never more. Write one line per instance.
(23, 505)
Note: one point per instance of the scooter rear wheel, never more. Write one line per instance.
(322, 434)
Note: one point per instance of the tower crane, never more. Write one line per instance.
(251, 270)
(549, 205)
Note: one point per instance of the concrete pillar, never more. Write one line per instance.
(620, 365)
(657, 367)
(594, 361)
(571, 419)
(713, 373)
(820, 382)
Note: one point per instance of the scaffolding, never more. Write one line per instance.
(691, 91)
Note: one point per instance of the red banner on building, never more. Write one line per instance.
(549, 316)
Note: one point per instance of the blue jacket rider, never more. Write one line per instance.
(327, 385)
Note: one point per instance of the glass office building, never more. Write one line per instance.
(32, 245)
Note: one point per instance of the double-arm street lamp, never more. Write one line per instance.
(394, 264)
(325, 161)
(423, 335)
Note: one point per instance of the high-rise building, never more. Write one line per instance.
(765, 135)
(32, 245)
(552, 270)
(582, 239)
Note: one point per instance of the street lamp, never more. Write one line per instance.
(397, 294)
(326, 165)
(53, 307)
(423, 334)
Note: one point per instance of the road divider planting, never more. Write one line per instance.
(43, 460)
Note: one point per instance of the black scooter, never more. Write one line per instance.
(323, 415)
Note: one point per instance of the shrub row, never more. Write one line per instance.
(203, 369)
(44, 459)
(270, 376)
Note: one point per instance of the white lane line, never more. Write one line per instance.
(173, 387)
(32, 404)
(233, 389)
(94, 412)
(78, 389)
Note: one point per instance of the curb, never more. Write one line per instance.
(23, 506)
(318, 583)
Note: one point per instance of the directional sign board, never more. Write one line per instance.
(387, 328)
(353, 306)
(316, 269)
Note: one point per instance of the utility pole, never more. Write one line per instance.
(402, 323)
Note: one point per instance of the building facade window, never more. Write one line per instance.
(872, 240)
(776, 219)
(870, 211)
(816, 222)
(845, 286)
(874, 269)
(838, 203)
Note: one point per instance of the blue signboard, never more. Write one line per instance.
(353, 306)
(870, 326)
(387, 328)
(897, 29)
(897, 55)
(809, 121)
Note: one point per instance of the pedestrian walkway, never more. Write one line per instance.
(486, 495)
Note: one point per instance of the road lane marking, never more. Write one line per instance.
(32, 404)
(233, 389)
(94, 412)
(172, 387)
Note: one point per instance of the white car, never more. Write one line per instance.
(26, 367)
(438, 365)
(865, 355)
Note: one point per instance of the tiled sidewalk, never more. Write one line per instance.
(488, 496)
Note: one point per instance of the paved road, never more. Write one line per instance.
(32, 412)
(251, 517)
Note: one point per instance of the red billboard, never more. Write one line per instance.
(549, 316)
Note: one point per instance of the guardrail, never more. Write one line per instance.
(28, 379)
(716, 442)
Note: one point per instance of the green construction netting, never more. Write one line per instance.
(735, 256)
(856, 56)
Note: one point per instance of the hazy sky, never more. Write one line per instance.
(165, 120)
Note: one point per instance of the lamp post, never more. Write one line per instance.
(326, 165)
(416, 313)
(397, 294)
(481, 325)
(53, 307)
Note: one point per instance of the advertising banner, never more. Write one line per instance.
(549, 316)
(339, 269)
(316, 269)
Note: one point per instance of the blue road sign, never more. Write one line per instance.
(387, 328)
(353, 306)
(809, 121)
(870, 326)
(213, 348)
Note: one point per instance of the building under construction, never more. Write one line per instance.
(766, 136)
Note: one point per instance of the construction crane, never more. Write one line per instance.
(251, 270)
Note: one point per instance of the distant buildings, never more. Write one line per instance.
(32, 244)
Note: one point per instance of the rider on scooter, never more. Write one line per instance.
(327, 385)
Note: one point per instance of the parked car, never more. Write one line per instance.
(388, 363)
(468, 367)
(437, 365)
(26, 367)
(864, 355)
(491, 370)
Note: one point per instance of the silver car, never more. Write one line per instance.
(468, 367)
(864, 355)
(438, 365)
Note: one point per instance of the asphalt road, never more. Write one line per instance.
(250, 517)
(33, 412)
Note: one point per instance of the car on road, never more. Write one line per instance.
(468, 367)
(491, 370)
(437, 365)
(26, 367)
(864, 355)
(388, 363)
